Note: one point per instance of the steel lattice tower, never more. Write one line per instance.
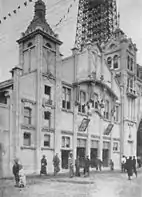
(96, 22)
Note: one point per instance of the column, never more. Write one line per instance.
(101, 140)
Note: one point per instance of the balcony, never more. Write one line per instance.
(131, 93)
(47, 102)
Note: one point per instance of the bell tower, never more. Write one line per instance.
(39, 42)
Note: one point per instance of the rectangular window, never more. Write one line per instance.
(96, 100)
(65, 142)
(27, 139)
(66, 98)
(106, 113)
(81, 107)
(47, 91)
(47, 140)
(47, 117)
(27, 115)
(115, 146)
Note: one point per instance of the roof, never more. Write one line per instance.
(6, 84)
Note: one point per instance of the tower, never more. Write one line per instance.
(97, 20)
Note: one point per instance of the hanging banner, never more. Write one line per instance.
(108, 129)
(84, 125)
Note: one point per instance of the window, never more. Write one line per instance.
(47, 91)
(65, 142)
(66, 98)
(109, 62)
(30, 44)
(128, 62)
(115, 62)
(47, 140)
(130, 84)
(81, 107)
(115, 146)
(47, 117)
(27, 115)
(106, 113)
(27, 139)
(96, 101)
(117, 113)
(48, 45)
(131, 64)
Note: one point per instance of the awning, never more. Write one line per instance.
(108, 129)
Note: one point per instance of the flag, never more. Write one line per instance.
(4, 18)
(84, 124)
(14, 11)
(18, 7)
(25, 3)
(9, 14)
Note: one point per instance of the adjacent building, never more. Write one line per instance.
(88, 103)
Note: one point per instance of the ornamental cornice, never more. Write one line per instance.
(24, 100)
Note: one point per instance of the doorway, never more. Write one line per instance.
(93, 156)
(105, 157)
(139, 141)
(65, 156)
(81, 153)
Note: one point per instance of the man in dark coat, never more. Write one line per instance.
(129, 166)
(43, 166)
(134, 166)
(87, 166)
(15, 170)
(77, 166)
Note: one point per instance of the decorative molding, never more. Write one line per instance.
(82, 134)
(67, 132)
(49, 130)
(29, 127)
(95, 136)
(116, 139)
(47, 148)
(28, 148)
(67, 111)
(106, 138)
(67, 84)
(24, 100)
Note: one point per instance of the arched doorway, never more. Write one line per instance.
(139, 140)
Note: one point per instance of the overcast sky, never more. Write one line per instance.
(10, 29)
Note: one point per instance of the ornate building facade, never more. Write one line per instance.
(88, 103)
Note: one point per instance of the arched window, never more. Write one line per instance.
(109, 62)
(115, 62)
(27, 115)
(48, 45)
(29, 44)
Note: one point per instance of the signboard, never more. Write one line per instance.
(84, 124)
(108, 129)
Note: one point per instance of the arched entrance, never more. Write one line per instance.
(139, 140)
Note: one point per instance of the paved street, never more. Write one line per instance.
(97, 185)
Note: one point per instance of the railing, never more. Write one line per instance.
(131, 92)
(47, 102)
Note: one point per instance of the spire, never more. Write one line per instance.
(39, 20)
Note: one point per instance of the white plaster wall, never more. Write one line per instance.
(66, 121)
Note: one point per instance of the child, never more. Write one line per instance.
(22, 177)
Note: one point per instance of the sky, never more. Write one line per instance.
(11, 29)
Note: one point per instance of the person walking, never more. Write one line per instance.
(15, 170)
(77, 166)
(123, 163)
(111, 165)
(100, 163)
(43, 166)
(56, 163)
(70, 164)
(87, 166)
(129, 166)
(134, 166)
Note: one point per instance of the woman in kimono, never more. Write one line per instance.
(22, 177)
(43, 166)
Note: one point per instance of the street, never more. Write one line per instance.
(102, 184)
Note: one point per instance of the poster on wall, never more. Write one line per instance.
(84, 125)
